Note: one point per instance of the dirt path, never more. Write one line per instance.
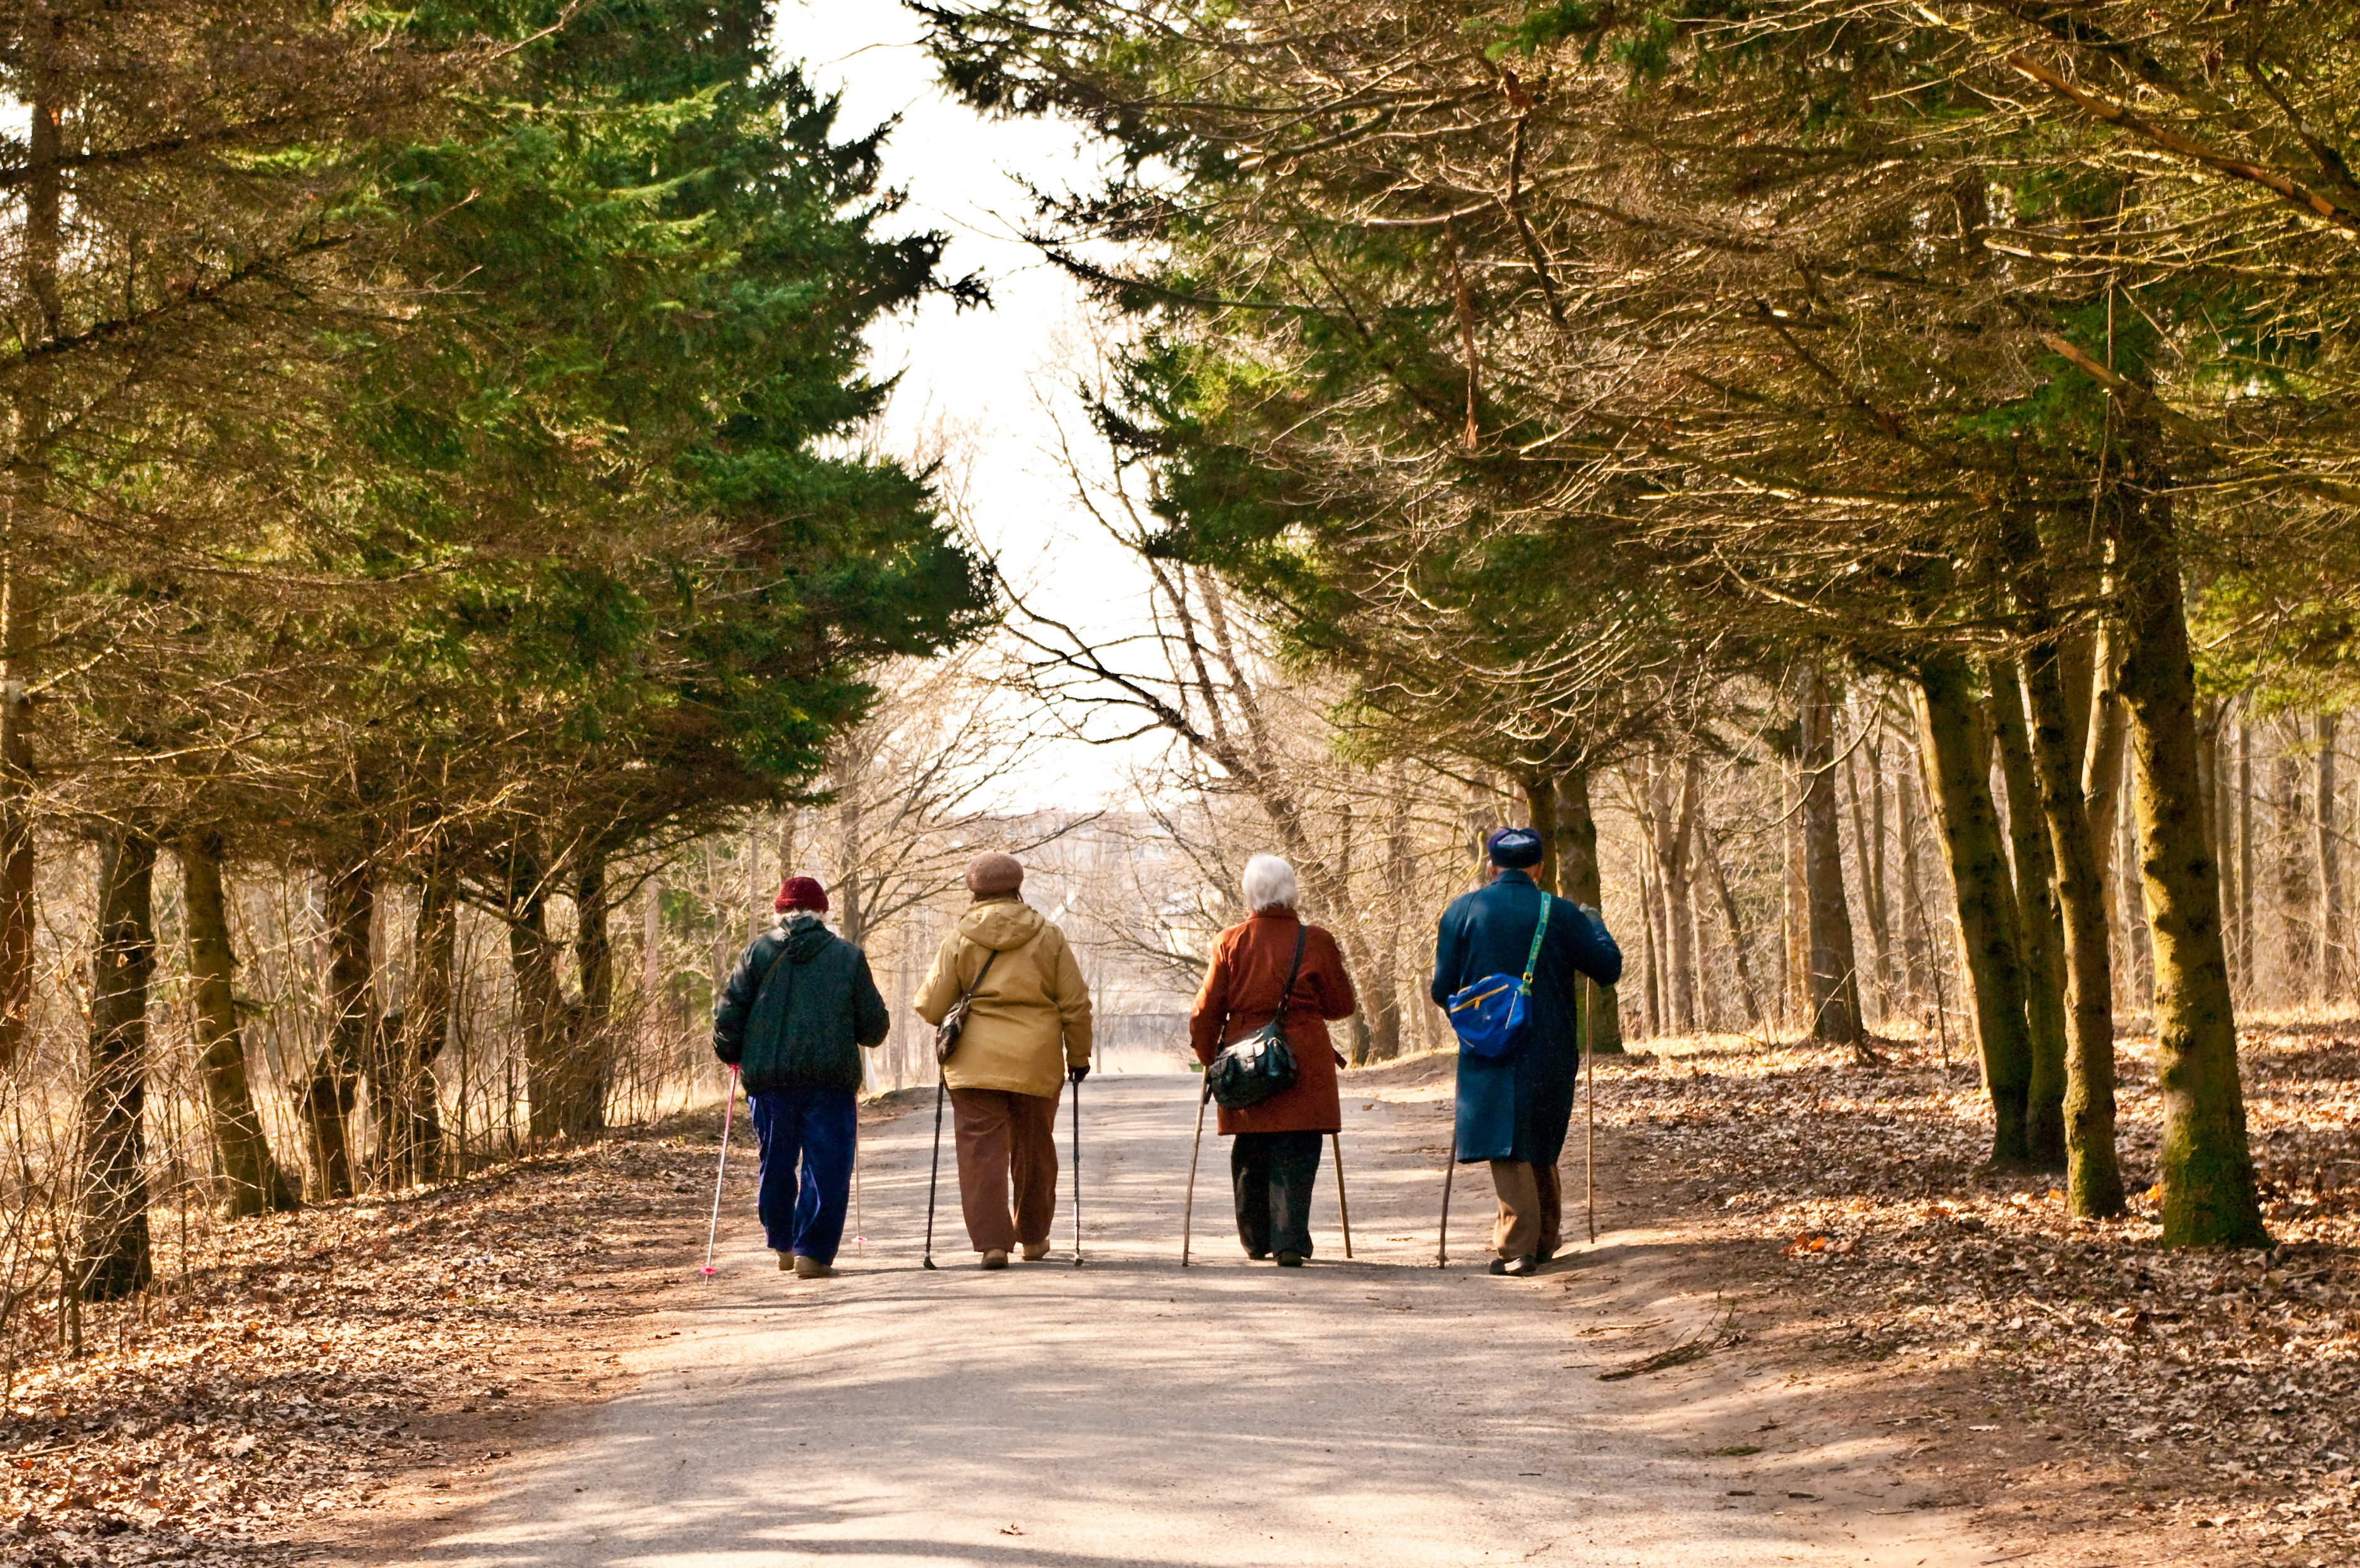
(1375, 1412)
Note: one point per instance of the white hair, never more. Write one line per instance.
(1269, 883)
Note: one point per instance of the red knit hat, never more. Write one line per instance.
(801, 892)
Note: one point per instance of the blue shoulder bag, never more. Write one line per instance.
(1490, 1015)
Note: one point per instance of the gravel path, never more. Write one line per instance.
(1363, 1414)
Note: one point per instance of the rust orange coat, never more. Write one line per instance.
(1239, 995)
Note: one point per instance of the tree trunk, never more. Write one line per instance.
(1967, 819)
(2093, 1181)
(2040, 923)
(1917, 946)
(591, 1067)
(1679, 881)
(1401, 888)
(329, 1092)
(114, 1259)
(1835, 1008)
(2207, 1166)
(540, 1000)
(2334, 943)
(409, 1119)
(2297, 965)
(257, 1185)
(851, 916)
(19, 600)
(1795, 907)
(1577, 879)
(2247, 854)
(2102, 759)
(1650, 999)
(1710, 858)
(2221, 813)
(1868, 839)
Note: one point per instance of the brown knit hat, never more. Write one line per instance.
(994, 872)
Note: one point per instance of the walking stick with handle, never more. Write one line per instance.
(1336, 1141)
(730, 1109)
(1077, 1173)
(1188, 1209)
(933, 1178)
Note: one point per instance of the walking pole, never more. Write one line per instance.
(1442, 1235)
(1449, 1169)
(859, 1241)
(1590, 1134)
(934, 1176)
(728, 1109)
(1077, 1173)
(1336, 1141)
(1189, 1209)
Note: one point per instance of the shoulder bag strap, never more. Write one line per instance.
(767, 973)
(1533, 959)
(1292, 971)
(990, 955)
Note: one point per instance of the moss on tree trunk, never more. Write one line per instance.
(2206, 1164)
(1959, 773)
(2094, 1178)
(2038, 920)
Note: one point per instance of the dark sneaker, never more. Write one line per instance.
(1257, 1256)
(1290, 1260)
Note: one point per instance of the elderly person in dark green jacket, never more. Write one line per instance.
(797, 1009)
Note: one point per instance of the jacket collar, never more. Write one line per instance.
(1280, 912)
(1514, 876)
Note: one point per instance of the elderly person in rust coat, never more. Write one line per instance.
(1275, 1157)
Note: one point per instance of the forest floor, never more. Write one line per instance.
(1942, 1364)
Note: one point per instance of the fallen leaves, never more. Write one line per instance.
(1868, 1184)
(290, 1367)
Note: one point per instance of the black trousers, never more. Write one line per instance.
(1273, 1173)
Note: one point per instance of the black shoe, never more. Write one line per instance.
(1290, 1260)
(1516, 1267)
(1257, 1256)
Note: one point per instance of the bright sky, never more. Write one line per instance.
(997, 374)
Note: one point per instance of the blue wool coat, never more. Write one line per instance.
(1518, 1108)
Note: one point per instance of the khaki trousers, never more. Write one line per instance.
(1532, 1208)
(1006, 1140)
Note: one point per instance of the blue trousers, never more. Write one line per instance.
(818, 1129)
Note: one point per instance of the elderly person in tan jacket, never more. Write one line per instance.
(1027, 1029)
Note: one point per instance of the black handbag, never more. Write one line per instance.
(1251, 1071)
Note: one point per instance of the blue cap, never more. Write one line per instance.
(1517, 849)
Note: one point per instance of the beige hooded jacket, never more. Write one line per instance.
(1031, 1004)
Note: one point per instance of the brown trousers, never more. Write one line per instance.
(1532, 1208)
(1006, 1140)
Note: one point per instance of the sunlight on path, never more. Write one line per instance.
(1369, 1413)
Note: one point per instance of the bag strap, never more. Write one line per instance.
(990, 956)
(1293, 970)
(767, 973)
(1533, 959)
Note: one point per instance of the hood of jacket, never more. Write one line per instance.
(806, 938)
(1001, 925)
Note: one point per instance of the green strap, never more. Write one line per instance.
(1533, 959)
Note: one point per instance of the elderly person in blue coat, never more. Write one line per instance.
(1513, 1109)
